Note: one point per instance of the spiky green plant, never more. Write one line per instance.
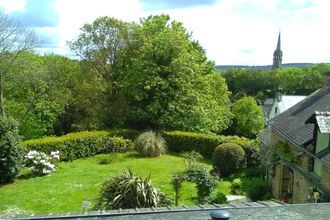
(128, 191)
(150, 144)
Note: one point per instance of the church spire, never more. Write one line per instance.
(277, 56)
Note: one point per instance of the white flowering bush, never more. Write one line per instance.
(40, 163)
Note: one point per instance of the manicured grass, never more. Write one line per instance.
(73, 182)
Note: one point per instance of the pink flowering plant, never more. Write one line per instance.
(40, 163)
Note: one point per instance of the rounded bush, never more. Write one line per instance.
(227, 158)
(150, 144)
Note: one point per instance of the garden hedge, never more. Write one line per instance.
(79, 145)
(94, 142)
(178, 141)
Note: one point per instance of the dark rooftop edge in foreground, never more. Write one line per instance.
(253, 210)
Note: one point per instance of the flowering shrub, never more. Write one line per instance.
(40, 163)
(80, 145)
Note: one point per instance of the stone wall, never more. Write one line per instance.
(300, 189)
(300, 186)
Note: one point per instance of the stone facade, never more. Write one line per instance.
(289, 185)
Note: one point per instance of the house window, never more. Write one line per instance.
(275, 110)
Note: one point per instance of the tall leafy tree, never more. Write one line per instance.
(169, 80)
(248, 117)
(39, 89)
(14, 40)
(155, 74)
(103, 45)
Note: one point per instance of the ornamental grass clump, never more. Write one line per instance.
(150, 144)
(129, 191)
(40, 163)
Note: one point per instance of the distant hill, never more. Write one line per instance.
(285, 65)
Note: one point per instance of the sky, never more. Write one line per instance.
(233, 32)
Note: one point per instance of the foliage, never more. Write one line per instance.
(256, 189)
(128, 191)
(178, 141)
(171, 83)
(14, 40)
(218, 198)
(192, 158)
(80, 145)
(292, 81)
(39, 89)
(227, 158)
(205, 182)
(236, 186)
(41, 164)
(177, 180)
(150, 144)
(284, 151)
(10, 152)
(156, 75)
(248, 117)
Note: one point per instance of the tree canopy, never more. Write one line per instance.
(248, 117)
(158, 74)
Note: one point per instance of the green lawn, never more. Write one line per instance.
(73, 182)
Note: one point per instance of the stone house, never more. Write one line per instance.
(296, 150)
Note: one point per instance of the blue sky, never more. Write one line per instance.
(231, 31)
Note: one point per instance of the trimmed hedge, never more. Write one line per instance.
(79, 145)
(178, 141)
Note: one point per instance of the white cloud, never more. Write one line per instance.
(226, 29)
(12, 5)
(75, 13)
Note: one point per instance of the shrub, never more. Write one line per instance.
(227, 158)
(192, 158)
(255, 172)
(150, 144)
(79, 145)
(178, 141)
(128, 191)
(177, 180)
(41, 164)
(10, 152)
(236, 186)
(256, 189)
(205, 182)
(218, 198)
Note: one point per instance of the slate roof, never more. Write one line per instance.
(291, 123)
(266, 210)
(288, 101)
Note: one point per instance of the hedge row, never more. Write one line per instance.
(85, 144)
(178, 141)
(79, 145)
